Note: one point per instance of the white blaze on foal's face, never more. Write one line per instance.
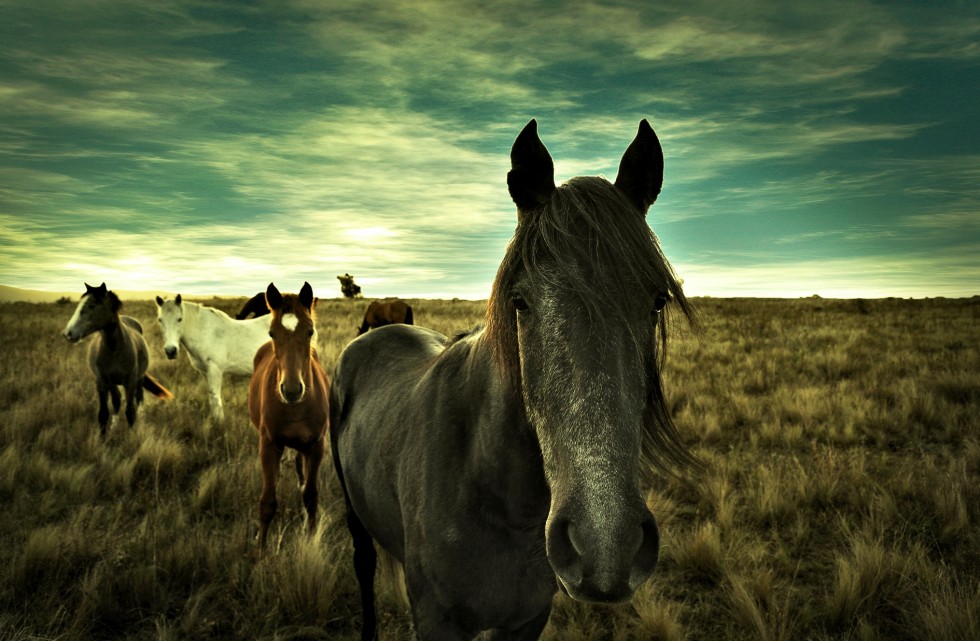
(290, 321)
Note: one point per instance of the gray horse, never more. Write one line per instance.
(505, 464)
(117, 355)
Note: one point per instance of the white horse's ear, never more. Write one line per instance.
(159, 302)
(177, 300)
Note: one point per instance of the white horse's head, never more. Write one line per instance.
(170, 313)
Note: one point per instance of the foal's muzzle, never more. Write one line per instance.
(292, 394)
(170, 351)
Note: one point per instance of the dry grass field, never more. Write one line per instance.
(840, 497)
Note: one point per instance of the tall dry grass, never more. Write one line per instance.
(839, 499)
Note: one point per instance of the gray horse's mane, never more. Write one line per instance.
(590, 225)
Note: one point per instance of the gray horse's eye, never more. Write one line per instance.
(519, 303)
(660, 302)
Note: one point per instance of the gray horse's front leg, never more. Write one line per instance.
(116, 398)
(133, 398)
(103, 392)
(530, 631)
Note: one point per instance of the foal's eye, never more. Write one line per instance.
(519, 303)
(312, 332)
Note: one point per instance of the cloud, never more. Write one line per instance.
(157, 144)
(870, 276)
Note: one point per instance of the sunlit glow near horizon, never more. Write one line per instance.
(812, 148)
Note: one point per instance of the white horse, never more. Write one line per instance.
(215, 342)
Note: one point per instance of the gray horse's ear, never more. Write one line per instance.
(159, 302)
(531, 179)
(177, 300)
(641, 171)
(306, 296)
(273, 299)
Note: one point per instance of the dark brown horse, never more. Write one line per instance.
(505, 464)
(287, 401)
(117, 355)
(388, 312)
(255, 306)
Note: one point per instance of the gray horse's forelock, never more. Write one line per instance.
(589, 225)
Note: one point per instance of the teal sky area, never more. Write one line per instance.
(813, 147)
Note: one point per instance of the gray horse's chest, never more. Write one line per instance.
(117, 363)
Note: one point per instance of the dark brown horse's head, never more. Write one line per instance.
(292, 330)
(574, 316)
(97, 309)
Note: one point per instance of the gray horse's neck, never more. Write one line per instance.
(504, 441)
(112, 334)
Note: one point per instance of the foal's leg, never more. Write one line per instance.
(312, 459)
(269, 456)
(214, 376)
(299, 469)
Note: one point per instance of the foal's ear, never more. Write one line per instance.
(159, 302)
(531, 179)
(177, 300)
(306, 296)
(273, 299)
(641, 171)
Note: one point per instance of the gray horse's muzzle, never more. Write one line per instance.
(603, 558)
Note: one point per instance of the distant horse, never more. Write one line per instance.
(288, 401)
(117, 355)
(380, 313)
(215, 342)
(255, 306)
(504, 464)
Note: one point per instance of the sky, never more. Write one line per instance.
(827, 147)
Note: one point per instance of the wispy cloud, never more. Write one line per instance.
(195, 148)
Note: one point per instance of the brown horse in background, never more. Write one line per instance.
(117, 355)
(287, 401)
(255, 306)
(389, 312)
